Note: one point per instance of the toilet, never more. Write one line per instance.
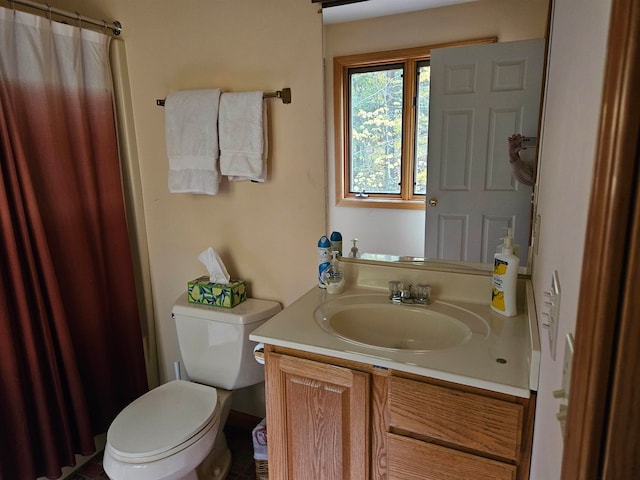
(174, 432)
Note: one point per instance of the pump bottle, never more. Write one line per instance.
(333, 276)
(505, 279)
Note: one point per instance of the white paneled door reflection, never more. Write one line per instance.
(480, 96)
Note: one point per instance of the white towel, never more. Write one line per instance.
(191, 133)
(243, 136)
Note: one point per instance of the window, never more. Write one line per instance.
(381, 109)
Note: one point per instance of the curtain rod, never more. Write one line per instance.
(115, 26)
(284, 94)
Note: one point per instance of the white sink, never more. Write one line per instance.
(371, 320)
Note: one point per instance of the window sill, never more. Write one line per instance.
(381, 203)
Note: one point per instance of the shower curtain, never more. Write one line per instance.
(71, 352)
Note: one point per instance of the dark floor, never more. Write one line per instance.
(242, 464)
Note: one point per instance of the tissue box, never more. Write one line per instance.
(216, 294)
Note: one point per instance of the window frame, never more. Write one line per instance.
(409, 58)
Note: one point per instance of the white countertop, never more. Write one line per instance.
(506, 360)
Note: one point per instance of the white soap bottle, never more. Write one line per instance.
(505, 280)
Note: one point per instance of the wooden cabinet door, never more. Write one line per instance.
(317, 420)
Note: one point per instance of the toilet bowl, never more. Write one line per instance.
(175, 431)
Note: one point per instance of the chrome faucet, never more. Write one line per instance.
(419, 294)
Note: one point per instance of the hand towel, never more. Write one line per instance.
(243, 136)
(191, 134)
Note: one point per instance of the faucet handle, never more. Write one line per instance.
(422, 293)
(395, 290)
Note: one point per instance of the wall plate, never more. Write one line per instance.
(567, 364)
(553, 312)
(563, 393)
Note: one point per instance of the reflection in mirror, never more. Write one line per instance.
(401, 232)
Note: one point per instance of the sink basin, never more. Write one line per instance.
(370, 320)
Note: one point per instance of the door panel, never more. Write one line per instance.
(457, 143)
(453, 232)
(502, 124)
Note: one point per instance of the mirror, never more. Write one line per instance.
(391, 234)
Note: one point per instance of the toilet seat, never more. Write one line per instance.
(163, 421)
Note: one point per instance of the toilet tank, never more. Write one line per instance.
(214, 341)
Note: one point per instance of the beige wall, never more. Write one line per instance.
(393, 231)
(509, 20)
(572, 108)
(265, 233)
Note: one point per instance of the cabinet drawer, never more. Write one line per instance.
(411, 459)
(455, 417)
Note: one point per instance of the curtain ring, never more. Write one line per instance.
(78, 19)
(48, 11)
(104, 26)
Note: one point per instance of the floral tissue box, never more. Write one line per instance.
(216, 294)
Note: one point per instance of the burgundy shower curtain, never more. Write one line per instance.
(71, 352)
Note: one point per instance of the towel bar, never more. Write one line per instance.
(284, 95)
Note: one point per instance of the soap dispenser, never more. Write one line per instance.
(354, 249)
(505, 279)
(333, 276)
(514, 246)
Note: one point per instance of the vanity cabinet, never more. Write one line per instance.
(336, 419)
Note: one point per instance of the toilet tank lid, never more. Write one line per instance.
(250, 311)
